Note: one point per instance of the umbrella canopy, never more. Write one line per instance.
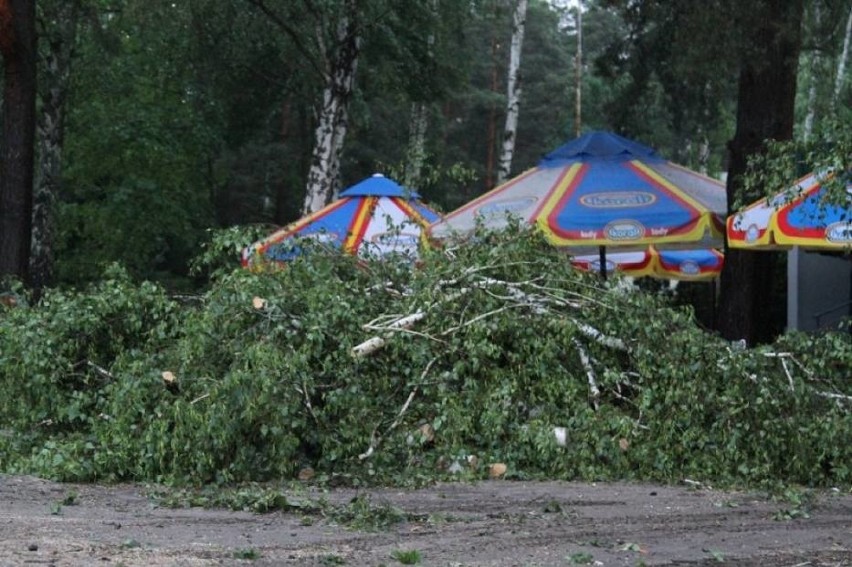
(688, 265)
(375, 217)
(603, 190)
(799, 216)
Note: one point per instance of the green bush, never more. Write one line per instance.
(261, 381)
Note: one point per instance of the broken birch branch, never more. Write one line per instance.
(833, 396)
(598, 337)
(376, 440)
(199, 398)
(100, 370)
(594, 391)
(368, 347)
(373, 344)
(478, 318)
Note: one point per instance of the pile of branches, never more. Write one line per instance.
(495, 353)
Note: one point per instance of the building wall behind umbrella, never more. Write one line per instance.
(824, 290)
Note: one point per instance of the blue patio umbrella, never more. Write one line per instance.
(375, 217)
(602, 191)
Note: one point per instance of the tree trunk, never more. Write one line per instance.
(766, 98)
(333, 117)
(492, 122)
(813, 78)
(703, 153)
(418, 122)
(513, 92)
(282, 189)
(56, 65)
(578, 74)
(841, 63)
(18, 48)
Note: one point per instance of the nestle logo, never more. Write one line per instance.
(752, 233)
(839, 232)
(690, 268)
(507, 206)
(624, 230)
(323, 237)
(618, 199)
(396, 239)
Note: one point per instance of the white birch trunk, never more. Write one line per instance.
(703, 154)
(513, 94)
(333, 116)
(417, 125)
(841, 64)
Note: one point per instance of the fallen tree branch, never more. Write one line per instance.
(833, 396)
(783, 356)
(373, 344)
(100, 370)
(539, 304)
(594, 391)
(199, 398)
(789, 376)
(368, 347)
(375, 440)
(304, 391)
(478, 318)
(599, 337)
(532, 301)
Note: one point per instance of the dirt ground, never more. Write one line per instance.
(494, 523)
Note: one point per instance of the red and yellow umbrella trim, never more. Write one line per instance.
(704, 221)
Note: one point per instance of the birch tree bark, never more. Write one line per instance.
(417, 125)
(513, 91)
(331, 49)
(333, 117)
(59, 33)
(18, 48)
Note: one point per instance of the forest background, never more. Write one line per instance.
(159, 121)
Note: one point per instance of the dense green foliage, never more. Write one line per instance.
(261, 383)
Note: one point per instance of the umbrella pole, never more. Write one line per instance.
(602, 260)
